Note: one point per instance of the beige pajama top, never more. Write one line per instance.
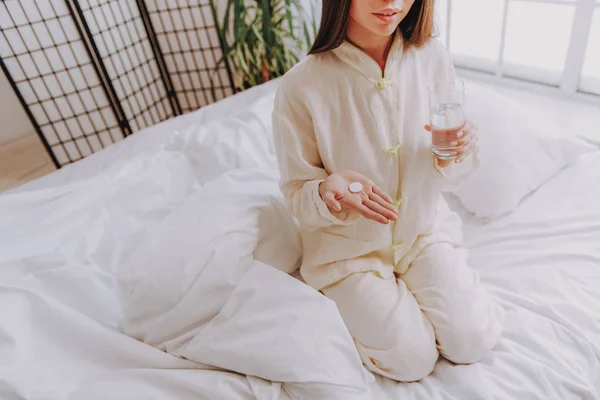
(336, 111)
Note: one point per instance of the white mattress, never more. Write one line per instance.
(144, 213)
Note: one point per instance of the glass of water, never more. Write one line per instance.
(446, 113)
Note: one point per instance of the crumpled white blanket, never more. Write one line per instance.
(166, 276)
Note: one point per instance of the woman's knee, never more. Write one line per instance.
(469, 344)
(416, 364)
(405, 362)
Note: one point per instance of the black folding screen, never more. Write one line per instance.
(91, 72)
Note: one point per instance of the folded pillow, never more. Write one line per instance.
(519, 151)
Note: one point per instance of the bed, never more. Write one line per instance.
(166, 267)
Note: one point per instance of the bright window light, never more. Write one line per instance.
(476, 29)
(537, 38)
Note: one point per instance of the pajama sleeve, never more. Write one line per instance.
(452, 175)
(300, 163)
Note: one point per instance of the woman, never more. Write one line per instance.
(359, 174)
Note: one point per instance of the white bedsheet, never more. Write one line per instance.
(542, 263)
(165, 238)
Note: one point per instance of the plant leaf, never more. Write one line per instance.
(263, 34)
(238, 11)
(306, 34)
(266, 26)
(289, 16)
(226, 19)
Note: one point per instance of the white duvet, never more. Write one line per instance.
(153, 272)
(165, 276)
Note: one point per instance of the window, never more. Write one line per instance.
(476, 32)
(553, 42)
(537, 40)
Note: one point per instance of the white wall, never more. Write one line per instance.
(13, 120)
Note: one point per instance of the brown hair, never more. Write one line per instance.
(416, 27)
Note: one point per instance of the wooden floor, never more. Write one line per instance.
(22, 160)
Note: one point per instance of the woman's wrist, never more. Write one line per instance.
(319, 188)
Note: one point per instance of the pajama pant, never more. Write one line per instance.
(402, 324)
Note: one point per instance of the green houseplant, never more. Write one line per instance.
(261, 38)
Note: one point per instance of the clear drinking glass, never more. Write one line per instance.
(446, 113)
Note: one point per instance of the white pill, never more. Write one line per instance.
(355, 187)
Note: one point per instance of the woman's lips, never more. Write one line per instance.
(387, 17)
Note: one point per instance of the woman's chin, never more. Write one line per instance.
(384, 30)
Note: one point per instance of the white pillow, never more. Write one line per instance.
(518, 150)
